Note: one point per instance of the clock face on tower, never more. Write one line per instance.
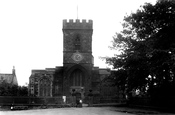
(77, 57)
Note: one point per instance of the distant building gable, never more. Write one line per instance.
(104, 73)
(9, 78)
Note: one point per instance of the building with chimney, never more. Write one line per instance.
(9, 78)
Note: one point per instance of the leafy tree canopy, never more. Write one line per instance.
(147, 45)
(7, 89)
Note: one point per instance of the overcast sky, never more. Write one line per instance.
(31, 31)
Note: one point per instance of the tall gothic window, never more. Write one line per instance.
(77, 42)
(45, 87)
(77, 78)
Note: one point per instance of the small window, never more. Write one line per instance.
(56, 89)
(32, 81)
(32, 91)
(77, 42)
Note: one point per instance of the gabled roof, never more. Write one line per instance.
(104, 71)
(8, 78)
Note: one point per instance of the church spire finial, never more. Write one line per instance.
(13, 71)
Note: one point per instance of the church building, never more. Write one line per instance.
(11, 79)
(78, 74)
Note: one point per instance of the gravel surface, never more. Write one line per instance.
(85, 111)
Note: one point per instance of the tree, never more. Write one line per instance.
(147, 46)
(7, 89)
(23, 91)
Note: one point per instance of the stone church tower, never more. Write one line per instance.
(78, 74)
(77, 55)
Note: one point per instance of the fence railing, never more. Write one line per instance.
(7, 100)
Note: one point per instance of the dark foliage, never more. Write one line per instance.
(147, 46)
(7, 89)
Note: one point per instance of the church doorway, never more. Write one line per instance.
(77, 93)
(77, 79)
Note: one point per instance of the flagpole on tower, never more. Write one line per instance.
(77, 11)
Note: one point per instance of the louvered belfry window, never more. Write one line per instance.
(77, 43)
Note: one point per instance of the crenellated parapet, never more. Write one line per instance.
(77, 24)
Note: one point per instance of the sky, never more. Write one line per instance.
(31, 31)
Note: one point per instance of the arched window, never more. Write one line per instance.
(77, 78)
(77, 42)
(45, 87)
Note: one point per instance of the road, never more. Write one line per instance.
(82, 111)
(67, 111)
